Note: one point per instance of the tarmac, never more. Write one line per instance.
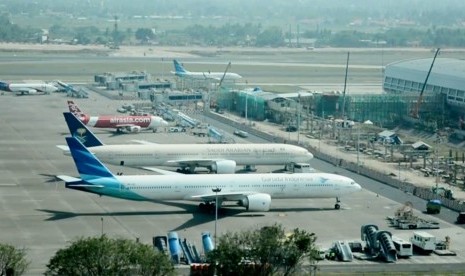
(39, 214)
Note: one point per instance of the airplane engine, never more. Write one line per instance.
(224, 166)
(135, 129)
(256, 202)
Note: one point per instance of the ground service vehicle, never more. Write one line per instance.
(424, 242)
(461, 218)
(404, 248)
(241, 133)
(433, 206)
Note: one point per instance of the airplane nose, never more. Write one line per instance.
(164, 123)
(358, 187)
(309, 155)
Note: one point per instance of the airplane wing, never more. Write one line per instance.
(143, 142)
(211, 78)
(78, 182)
(223, 196)
(63, 147)
(124, 125)
(160, 171)
(67, 178)
(26, 91)
(194, 162)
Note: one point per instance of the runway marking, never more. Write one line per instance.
(8, 184)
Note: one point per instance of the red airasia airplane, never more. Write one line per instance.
(132, 124)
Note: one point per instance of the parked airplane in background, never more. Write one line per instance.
(128, 123)
(219, 158)
(252, 191)
(218, 76)
(40, 88)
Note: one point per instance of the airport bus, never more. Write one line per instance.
(404, 248)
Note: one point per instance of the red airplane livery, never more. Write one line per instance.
(132, 124)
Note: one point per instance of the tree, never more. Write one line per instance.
(272, 36)
(105, 256)
(263, 252)
(144, 35)
(12, 260)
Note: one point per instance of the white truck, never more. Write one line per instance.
(200, 131)
(299, 168)
(424, 242)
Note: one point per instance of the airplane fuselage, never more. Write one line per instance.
(174, 154)
(192, 187)
(29, 88)
(114, 121)
(208, 75)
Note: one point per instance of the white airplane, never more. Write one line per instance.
(219, 158)
(28, 88)
(252, 191)
(180, 71)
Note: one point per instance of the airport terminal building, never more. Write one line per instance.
(447, 77)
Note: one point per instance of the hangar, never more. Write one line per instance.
(447, 77)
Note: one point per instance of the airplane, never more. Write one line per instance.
(39, 88)
(218, 158)
(252, 191)
(180, 71)
(131, 124)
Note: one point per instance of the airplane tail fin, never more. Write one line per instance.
(88, 166)
(73, 108)
(178, 67)
(78, 130)
(4, 86)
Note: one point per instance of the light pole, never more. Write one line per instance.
(246, 100)
(298, 120)
(358, 148)
(101, 219)
(216, 191)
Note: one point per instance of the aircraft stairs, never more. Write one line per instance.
(343, 251)
(379, 244)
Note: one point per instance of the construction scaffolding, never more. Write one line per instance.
(386, 110)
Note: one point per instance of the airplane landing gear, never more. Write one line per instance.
(207, 207)
(186, 170)
(337, 206)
